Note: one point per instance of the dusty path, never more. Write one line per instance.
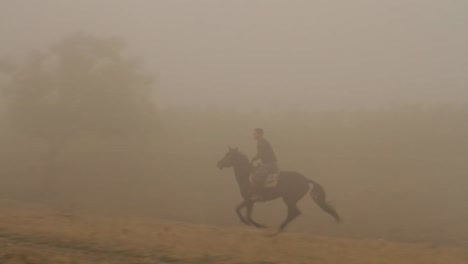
(40, 236)
(71, 250)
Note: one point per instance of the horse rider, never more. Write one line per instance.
(269, 164)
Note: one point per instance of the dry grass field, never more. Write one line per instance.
(39, 235)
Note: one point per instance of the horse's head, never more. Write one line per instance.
(230, 159)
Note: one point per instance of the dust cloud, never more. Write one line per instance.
(368, 98)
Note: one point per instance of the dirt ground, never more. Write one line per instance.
(37, 235)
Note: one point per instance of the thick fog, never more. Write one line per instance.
(124, 107)
(257, 54)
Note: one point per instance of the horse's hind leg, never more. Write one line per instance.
(238, 212)
(293, 212)
(250, 206)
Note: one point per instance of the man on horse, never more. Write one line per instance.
(269, 164)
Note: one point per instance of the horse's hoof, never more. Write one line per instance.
(277, 232)
(245, 222)
(259, 226)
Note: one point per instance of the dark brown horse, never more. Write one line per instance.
(291, 186)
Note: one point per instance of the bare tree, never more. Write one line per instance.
(82, 83)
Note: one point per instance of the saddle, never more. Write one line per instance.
(271, 180)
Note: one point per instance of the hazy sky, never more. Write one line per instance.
(270, 52)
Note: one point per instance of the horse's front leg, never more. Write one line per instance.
(239, 213)
(250, 206)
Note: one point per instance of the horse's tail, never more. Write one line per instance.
(319, 196)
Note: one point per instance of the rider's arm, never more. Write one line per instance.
(260, 151)
(254, 159)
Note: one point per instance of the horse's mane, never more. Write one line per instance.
(243, 156)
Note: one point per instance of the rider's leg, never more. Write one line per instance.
(257, 182)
